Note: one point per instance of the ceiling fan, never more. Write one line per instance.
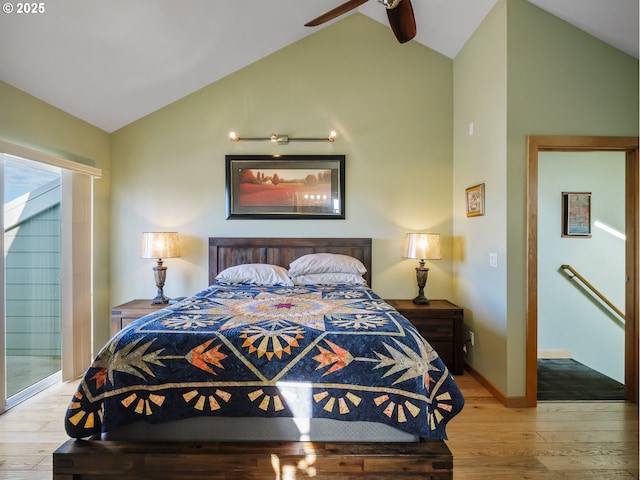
(399, 12)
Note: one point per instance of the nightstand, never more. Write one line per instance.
(440, 323)
(124, 314)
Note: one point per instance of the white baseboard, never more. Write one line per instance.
(554, 354)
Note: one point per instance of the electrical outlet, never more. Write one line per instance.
(472, 338)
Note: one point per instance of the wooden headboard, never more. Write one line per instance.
(226, 252)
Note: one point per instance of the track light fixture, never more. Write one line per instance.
(282, 139)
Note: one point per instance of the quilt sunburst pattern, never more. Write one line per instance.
(246, 350)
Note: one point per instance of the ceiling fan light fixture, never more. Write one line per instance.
(389, 4)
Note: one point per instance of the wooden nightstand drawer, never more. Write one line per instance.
(440, 323)
(444, 349)
(124, 321)
(438, 328)
(124, 314)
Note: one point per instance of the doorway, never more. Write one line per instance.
(628, 145)
(580, 257)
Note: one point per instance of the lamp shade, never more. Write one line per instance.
(160, 245)
(423, 246)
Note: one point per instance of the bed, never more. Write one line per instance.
(267, 379)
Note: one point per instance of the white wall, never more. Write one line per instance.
(567, 319)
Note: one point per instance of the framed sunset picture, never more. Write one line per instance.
(285, 186)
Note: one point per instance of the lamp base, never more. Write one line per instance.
(421, 300)
(421, 274)
(160, 299)
(160, 275)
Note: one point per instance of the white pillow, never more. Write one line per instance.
(326, 263)
(256, 273)
(329, 279)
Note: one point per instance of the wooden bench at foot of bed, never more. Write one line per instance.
(101, 460)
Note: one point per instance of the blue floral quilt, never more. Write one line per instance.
(337, 352)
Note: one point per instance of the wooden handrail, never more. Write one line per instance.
(593, 289)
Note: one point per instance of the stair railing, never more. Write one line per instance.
(595, 291)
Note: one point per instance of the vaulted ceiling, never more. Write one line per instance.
(112, 62)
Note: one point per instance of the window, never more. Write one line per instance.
(45, 300)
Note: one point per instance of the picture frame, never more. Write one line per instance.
(474, 200)
(285, 186)
(576, 214)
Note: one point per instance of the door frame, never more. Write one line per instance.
(629, 145)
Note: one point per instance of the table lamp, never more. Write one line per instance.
(160, 245)
(422, 246)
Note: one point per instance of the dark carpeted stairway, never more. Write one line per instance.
(566, 379)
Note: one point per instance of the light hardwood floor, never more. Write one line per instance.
(31, 431)
(568, 441)
(556, 440)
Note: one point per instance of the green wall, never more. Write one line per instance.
(480, 156)
(391, 106)
(559, 81)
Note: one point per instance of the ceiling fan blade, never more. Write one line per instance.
(336, 12)
(402, 21)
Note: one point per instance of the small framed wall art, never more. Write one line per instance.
(285, 186)
(576, 214)
(475, 200)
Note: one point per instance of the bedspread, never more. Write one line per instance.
(337, 352)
